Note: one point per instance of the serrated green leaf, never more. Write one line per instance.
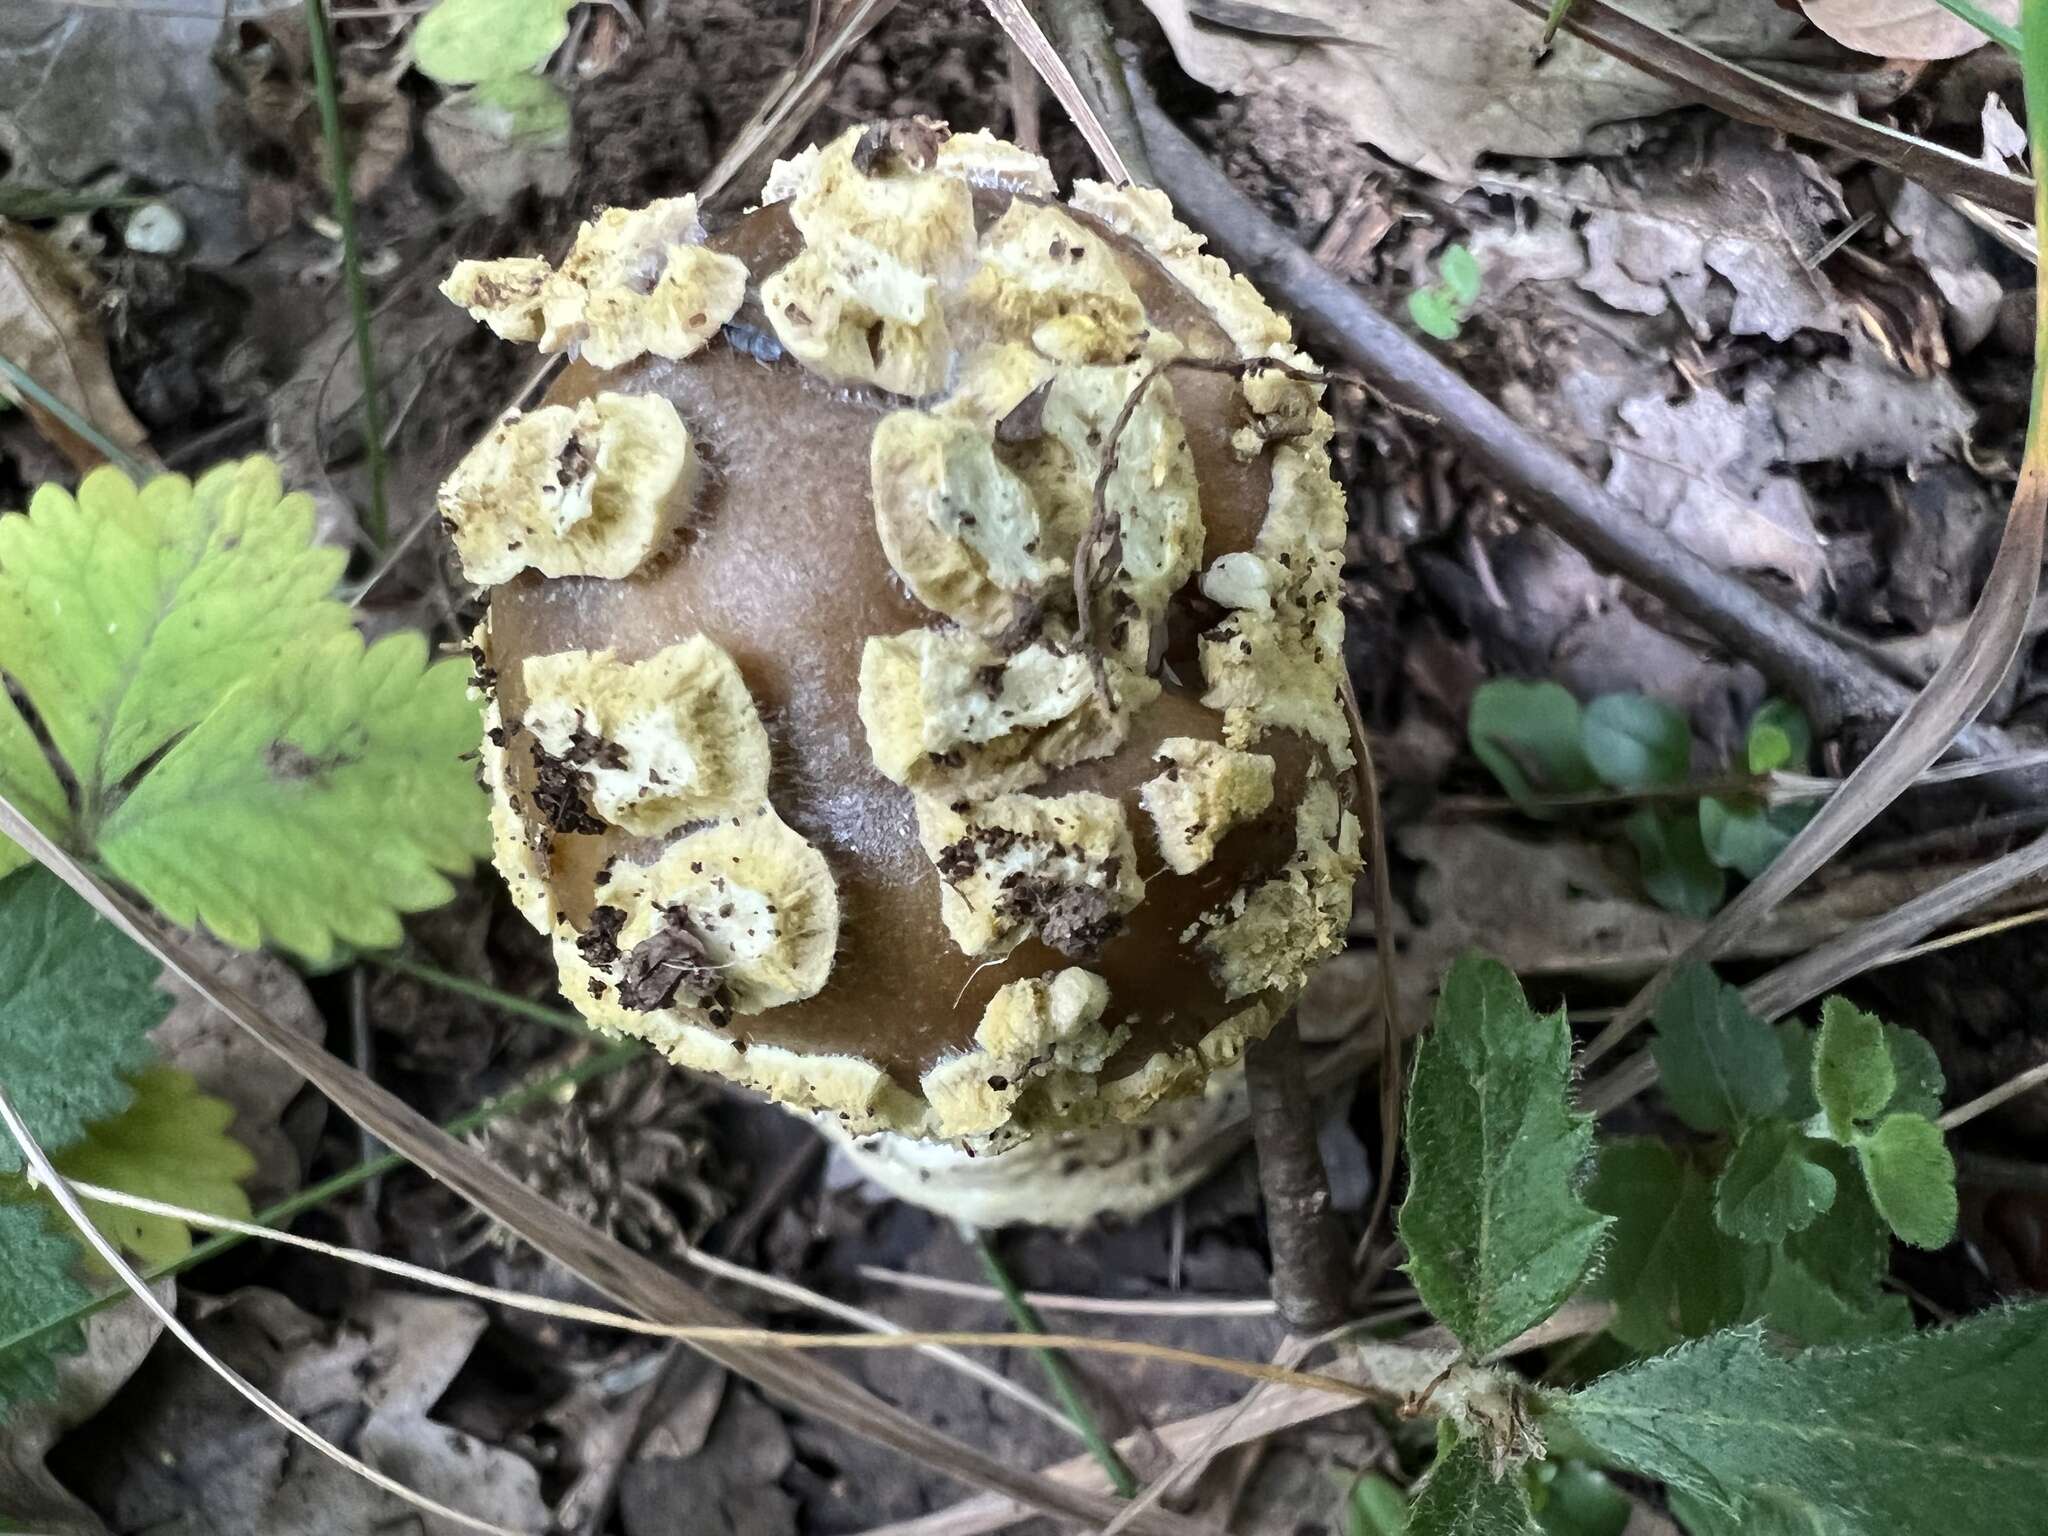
(171, 1144)
(28, 782)
(125, 614)
(38, 1282)
(319, 800)
(1375, 1506)
(1460, 1497)
(1771, 1186)
(77, 1003)
(1744, 834)
(1529, 737)
(1677, 874)
(460, 42)
(1799, 1304)
(1636, 742)
(1912, 1178)
(1853, 1076)
(1825, 1285)
(1921, 1082)
(1458, 270)
(1496, 1232)
(1570, 1498)
(1896, 1436)
(1670, 1272)
(1779, 737)
(1720, 1064)
(1769, 1514)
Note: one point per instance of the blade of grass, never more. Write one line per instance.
(75, 420)
(1962, 685)
(480, 992)
(1058, 1374)
(328, 89)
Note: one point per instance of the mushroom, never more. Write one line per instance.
(913, 660)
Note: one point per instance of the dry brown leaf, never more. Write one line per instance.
(1904, 29)
(47, 330)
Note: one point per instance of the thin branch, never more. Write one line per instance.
(1310, 1276)
(1963, 1114)
(1830, 684)
(1081, 34)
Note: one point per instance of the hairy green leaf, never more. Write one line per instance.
(1768, 1514)
(125, 614)
(1908, 1434)
(1917, 1069)
(77, 1003)
(1771, 1186)
(1636, 742)
(322, 798)
(1799, 1304)
(1853, 1077)
(1496, 1232)
(1528, 736)
(1720, 1064)
(1677, 874)
(171, 1144)
(460, 42)
(1670, 1272)
(1912, 1178)
(1461, 1497)
(1826, 1284)
(1779, 737)
(1795, 1042)
(37, 1283)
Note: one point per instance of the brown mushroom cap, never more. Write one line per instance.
(780, 566)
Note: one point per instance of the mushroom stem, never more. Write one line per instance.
(1309, 1269)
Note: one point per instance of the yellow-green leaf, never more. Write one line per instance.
(460, 42)
(171, 1144)
(318, 801)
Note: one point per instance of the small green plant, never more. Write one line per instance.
(1722, 1257)
(1440, 309)
(189, 710)
(1543, 746)
(488, 52)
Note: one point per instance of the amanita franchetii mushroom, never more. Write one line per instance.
(914, 654)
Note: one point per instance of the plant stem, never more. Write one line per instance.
(73, 419)
(326, 86)
(337, 1185)
(1310, 1272)
(1058, 1373)
(477, 991)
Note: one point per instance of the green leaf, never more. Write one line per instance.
(1497, 1235)
(1799, 1304)
(1826, 1284)
(1902, 1435)
(1744, 834)
(28, 781)
(1435, 314)
(171, 1144)
(1529, 737)
(1853, 1077)
(1636, 742)
(1720, 1064)
(1670, 1272)
(77, 1003)
(1677, 874)
(1458, 270)
(1570, 1498)
(1921, 1082)
(460, 42)
(317, 802)
(1375, 1506)
(520, 109)
(1912, 1179)
(1769, 1514)
(1779, 737)
(37, 1283)
(1771, 1186)
(125, 615)
(1795, 1040)
(1461, 1496)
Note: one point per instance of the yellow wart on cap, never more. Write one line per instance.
(1206, 791)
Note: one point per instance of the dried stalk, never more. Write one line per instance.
(1310, 1275)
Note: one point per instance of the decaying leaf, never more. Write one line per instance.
(1905, 29)
(48, 331)
(1437, 83)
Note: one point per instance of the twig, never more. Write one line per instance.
(1385, 962)
(1057, 1373)
(1052, 1301)
(1080, 32)
(1831, 685)
(1016, 19)
(327, 88)
(1309, 1272)
(1963, 1114)
(1745, 94)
